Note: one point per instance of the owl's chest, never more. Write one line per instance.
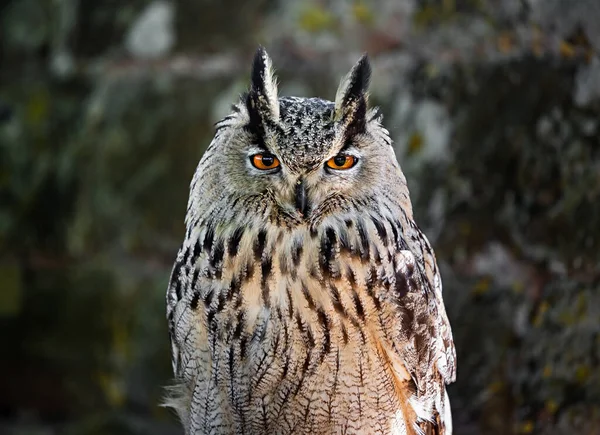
(298, 377)
(293, 335)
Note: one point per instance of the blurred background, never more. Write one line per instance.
(107, 106)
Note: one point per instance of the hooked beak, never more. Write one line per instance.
(301, 198)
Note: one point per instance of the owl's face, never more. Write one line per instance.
(294, 160)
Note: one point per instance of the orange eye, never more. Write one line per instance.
(265, 161)
(341, 162)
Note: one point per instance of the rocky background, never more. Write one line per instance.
(106, 107)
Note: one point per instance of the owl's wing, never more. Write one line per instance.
(174, 295)
(445, 352)
(185, 333)
(423, 338)
(182, 299)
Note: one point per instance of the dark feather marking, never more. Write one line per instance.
(314, 273)
(227, 118)
(234, 241)
(195, 300)
(259, 245)
(325, 325)
(210, 317)
(233, 289)
(296, 252)
(239, 327)
(309, 299)
(376, 256)
(243, 346)
(395, 234)
(351, 277)
(335, 299)
(412, 284)
(208, 298)
(364, 241)
(217, 255)
(195, 278)
(256, 111)
(265, 267)
(410, 269)
(186, 256)
(381, 231)
(283, 264)
(290, 303)
(196, 251)
(375, 113)
(327, 250)
(248, 272)
(177, 279)
(220, 303)
(401, 242)
(344, 333)
(277, 339)
(303, 372)
(286, 359)
(360, 310)
(309, 336)
(401, 284)
(208, 238)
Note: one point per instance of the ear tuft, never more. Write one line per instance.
(262, 100)
(352, 94)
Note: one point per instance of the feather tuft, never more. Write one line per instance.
(352, 96)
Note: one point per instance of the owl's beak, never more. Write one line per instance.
(301, 197)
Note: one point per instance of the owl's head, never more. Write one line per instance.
(294, 161)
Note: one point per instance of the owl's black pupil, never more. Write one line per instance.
(339, 160)
(268, 160)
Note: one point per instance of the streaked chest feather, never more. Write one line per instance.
(294, 324)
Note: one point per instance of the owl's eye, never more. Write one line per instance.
(342, 162)
(265, 161)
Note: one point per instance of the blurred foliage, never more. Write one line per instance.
(494, 106)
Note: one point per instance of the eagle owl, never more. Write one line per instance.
(305, 299)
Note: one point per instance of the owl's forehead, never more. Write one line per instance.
(308, 130)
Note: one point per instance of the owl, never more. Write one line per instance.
(304, 298)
